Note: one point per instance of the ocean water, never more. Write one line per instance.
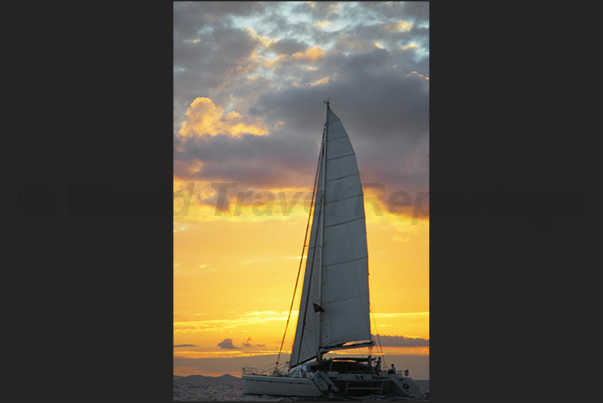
(227, 387)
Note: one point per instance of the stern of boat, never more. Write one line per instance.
(401, 386)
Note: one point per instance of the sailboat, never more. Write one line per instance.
(334, 311)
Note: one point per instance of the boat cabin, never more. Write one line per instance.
(344, 365)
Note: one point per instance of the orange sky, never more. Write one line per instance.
(234, 278)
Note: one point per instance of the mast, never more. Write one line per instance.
(322, 225)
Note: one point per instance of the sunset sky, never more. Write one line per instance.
(249, 83)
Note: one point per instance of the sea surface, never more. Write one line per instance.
(228, 387)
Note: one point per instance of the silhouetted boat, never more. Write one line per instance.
(334, 312)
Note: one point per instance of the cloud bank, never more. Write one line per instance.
(250, 78)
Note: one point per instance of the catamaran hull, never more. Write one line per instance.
(363, 385)
(278, 386)
(402, 387)
(346, 384)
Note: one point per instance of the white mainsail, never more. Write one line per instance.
(334, 307)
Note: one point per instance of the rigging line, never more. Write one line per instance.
(303, 327)
(379, 341)
(379, 346)
(320, 217)
(302, 257)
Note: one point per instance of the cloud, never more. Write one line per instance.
(418, 10)
(215, 200)
(323, 80)
(191, 17)
(203, 117)
(374, 95)
(184, 345)
(401, 26)
(246, 319)
(296, 60)
(401, 341)
(412, 10)
(288, 46)
(311, 54)
(206, 47)
(417, 74)
(247, 343)
(249, 160)
(227, 344)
